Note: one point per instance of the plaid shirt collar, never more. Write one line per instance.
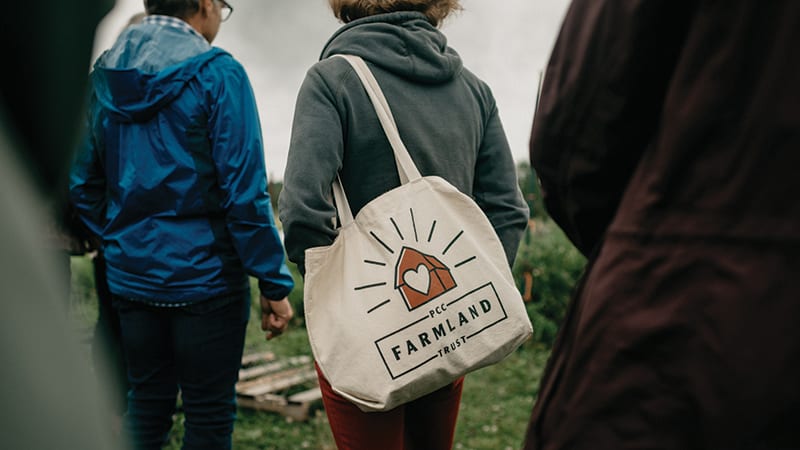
(170, 21)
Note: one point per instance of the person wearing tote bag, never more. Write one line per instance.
(438, 106)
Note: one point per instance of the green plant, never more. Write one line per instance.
(497, 400)
(547, 267)
(83, 297)
(531, 191)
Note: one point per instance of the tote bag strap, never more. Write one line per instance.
(342, 207)
(405, 165)
(406, 168)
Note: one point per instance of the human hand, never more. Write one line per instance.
(275, 316)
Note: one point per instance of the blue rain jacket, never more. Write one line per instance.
(172, 175)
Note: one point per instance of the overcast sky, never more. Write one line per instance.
(505, 42)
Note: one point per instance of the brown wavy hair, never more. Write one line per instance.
(434, 10)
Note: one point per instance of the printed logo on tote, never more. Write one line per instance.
(446, 301)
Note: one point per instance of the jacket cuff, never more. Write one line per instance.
(273, 291)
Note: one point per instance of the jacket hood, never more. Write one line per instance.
(147, 68)
(404, 43)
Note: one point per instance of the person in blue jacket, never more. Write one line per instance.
(172, 177)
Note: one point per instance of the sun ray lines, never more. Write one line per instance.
(368, 286)
(471, 258)
(414, 225)
(452, 242)
(389, 249)
(375, 263)
(383, 303)
(396, 228)
(433, 227)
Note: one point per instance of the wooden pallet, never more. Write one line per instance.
(264, 383)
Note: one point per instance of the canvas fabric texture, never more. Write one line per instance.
(414, 292)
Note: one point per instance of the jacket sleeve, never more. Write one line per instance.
(87, 180)
(600, 105)
(496, 190)
(238, 152)
(315, 157)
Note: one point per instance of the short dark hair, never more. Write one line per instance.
(174, 8)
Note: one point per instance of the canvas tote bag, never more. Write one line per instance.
(414, 292)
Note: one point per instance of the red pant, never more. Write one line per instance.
(427, 423)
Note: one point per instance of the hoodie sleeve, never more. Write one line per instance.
(496, 190)
(87, 181)
(238, 153)
(315, 156)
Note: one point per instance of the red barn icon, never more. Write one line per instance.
(420, 278)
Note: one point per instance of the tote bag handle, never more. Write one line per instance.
(406, 168)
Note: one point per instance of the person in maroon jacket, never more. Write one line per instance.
(667, 142)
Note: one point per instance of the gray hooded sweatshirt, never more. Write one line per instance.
(446, 116)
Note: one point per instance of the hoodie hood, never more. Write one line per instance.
(404, 43)
(147, 68)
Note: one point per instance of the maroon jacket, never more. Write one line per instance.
(667, 141)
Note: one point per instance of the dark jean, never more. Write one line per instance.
(107, 340)
(197, 349)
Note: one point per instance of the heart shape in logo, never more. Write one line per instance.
(418, 279)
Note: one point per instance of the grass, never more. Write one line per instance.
(495, 406)
(496, 401)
